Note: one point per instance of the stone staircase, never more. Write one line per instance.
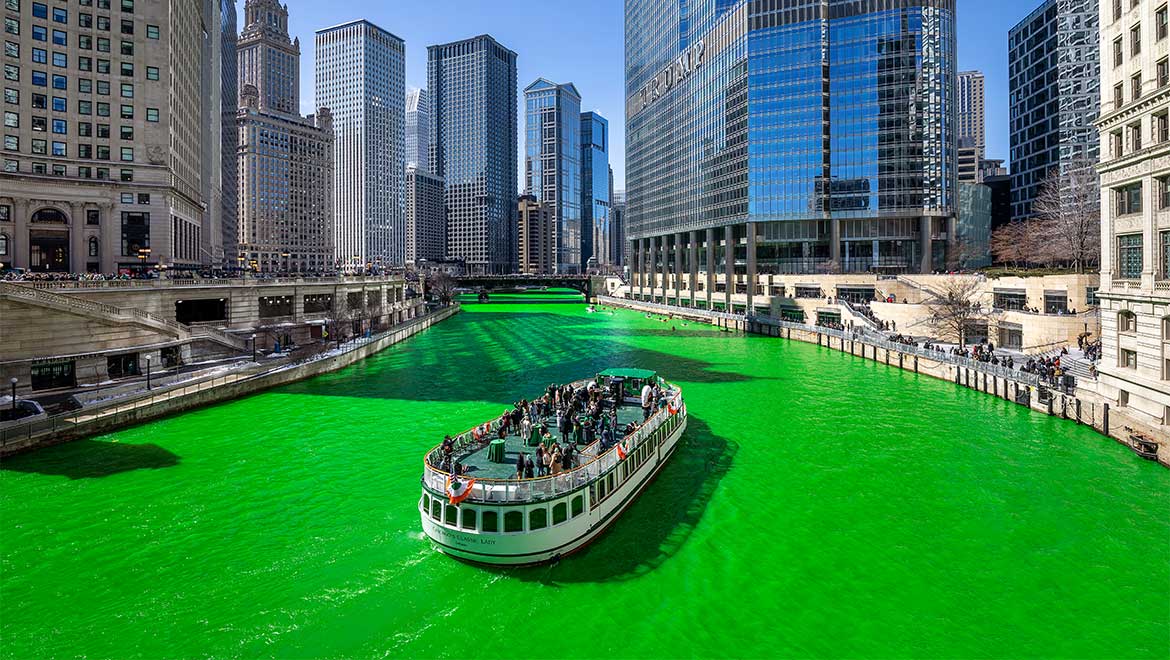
(103, 312)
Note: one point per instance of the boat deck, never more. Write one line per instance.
(477, 465)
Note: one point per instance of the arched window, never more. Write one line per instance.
(560, 513)
(1126, 321)
(490, 521)
(468, 518)
(514, 521)
(538, 518)
(50, 215)
(3, 245)
(93, 246)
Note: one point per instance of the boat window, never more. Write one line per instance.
(560, 513)
(609, 486)
(452, 516)
(600, 490)
(436, 509)
(514, 521)
(538, 518)
(490, 521)
(426, 502)
(468, 521)
(578, 505)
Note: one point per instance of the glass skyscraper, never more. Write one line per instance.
(595, 184)
(418, 130)
(780, 136)
(552, 164)
(1055, 94)
(472, 89)
(361, 77)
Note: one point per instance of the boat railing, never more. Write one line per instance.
(593, 464)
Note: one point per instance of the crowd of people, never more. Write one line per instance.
(580, 416)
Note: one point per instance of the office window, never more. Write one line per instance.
(58, 104)
(152, 73)
(60, 15)
(126, 132)
(127, 27)
(40, 124)
(127, 154)
(12, 49)
(126, 68)
(60, 59)
(127, 175)
(1135, 39)
(11, 25)
(1160, 27)
(127, 47)
(1128, 199)
(85, 20)
(152, 114)
(1118, 96)
(144, 198)
(11, 72)
(40, 33)
(1135, 86)
(11, 143)
(103, 45)
(152, 32)
(103, 23)
(85, 85)
(40, 56)
(1165, 238)
(40, 10)
(12, 95)
(126, 198)
(103, 87)
(84, 42)
(93, 217)
(40, 78)
(103, 130)
(127, 111)
(85, 63)
(59, 38)
(11, 165)
(127, 90)
(11, 119)
(58, 170)
(103, 66)
(1129, 256)
(84, 129)
(127, 5)
(1163, 72)
(1128, 359)
(1159, 127)
(1116, 9)
(103, 109)
(1163, 189)
(85, 150)
(60, 127)
(1118, 51)
(60, 82)
(39, 146)
(39, 168)
(103, 152)
(59, 149)
(1135, 136)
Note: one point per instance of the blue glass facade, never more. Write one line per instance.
(596, 232)
(817, 132)
(472, 88)
(552, 164)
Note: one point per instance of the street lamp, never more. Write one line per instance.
(143, 253)
(147, 372)
(13, 383)
(253, 346)
(285, 255)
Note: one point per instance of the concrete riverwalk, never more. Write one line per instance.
(1081, 405)
(167, 400)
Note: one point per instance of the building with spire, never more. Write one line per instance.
(285, 173)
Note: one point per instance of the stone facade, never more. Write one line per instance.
(1135, 209)
(536, 236)
(106, 115)
(426, 217)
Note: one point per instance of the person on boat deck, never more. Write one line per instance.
(448, 445)
(588, 431)
(547, 460)
(647, 400)
(567, 457)
(528, 468)
(526, 428)
(520, 462)
(606, 438)
(556, 460)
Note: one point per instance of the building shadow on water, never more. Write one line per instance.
(91, 459)
(503, 356)
(656, 525)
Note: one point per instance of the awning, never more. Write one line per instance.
(1018, 292)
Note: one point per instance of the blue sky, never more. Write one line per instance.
(581, 42)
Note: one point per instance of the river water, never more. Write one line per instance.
(820, 505)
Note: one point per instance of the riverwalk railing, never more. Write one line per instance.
(1022, 377)
(167, 282)
(71, 421)
(593, 461)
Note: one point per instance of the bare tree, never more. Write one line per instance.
(1009, 244)
(1067, 212)
(954, 306)
(442, 286)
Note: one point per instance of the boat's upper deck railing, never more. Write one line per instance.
(593, 462)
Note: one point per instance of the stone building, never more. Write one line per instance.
(107, 111)
(426, 217)
(536, 236)
(1134, 371)
(285, 160)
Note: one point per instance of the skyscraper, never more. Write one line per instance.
(788, 137)
(595, 185)
(1134, 369)
(970, 133)
(617, 223)
(536, 236)
(472, 89)
(285, 160)
(361, 77)
(1054, 91)
(418, 130)
(552, 164)
(104, 165)
(229, 104)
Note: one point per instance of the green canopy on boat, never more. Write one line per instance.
(628, 373)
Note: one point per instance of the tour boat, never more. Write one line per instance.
(486, 514)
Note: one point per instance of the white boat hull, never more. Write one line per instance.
(556, 540)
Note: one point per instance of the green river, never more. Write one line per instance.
(821, 505)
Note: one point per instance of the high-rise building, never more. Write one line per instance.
(788, 137)
(472, 89)
(968, 163)
(285, 160)
(418, 130)
(970, 121)
(426, 217)
(104, 166)
(617, 224)
(227, 246)
(1053, 69)
(595, 185)
(552, 164)
(536, 236)
(361, 77)
(1134, 369)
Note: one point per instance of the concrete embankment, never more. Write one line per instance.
(1082, 406)
(119, 414)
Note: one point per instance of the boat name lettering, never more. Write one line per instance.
(460, 539)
